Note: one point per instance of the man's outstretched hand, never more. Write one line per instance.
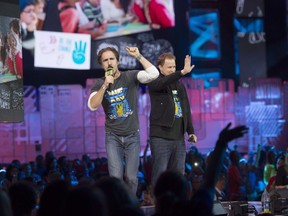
(227, 134)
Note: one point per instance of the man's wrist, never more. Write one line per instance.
(104, 87)
(139, 57)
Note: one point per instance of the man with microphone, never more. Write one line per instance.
(117, 92)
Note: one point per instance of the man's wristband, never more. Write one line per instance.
(139, 57)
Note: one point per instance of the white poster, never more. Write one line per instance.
(62, 50)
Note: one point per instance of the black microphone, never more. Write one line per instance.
(109, 71)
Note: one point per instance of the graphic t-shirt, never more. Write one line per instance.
(120, 103)
(178, 109)
(176, 132)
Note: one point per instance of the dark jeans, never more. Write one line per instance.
(167, 155)
(124, 151)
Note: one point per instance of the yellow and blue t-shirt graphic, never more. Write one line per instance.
(178, 109)
(119, 107)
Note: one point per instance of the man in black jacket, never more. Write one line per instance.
(170, 117)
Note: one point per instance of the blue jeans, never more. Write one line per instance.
(167, 155)
(123, 157)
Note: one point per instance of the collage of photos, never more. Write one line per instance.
(52, 22)
(104, 18)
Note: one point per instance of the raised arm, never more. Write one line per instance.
(214, 166)
(150, 72)
(159, 84)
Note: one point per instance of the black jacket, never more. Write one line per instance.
(162, 104)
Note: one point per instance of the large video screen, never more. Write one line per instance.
(49, 57)
(204, 34)
(107, 18)
(150, 45)
(11, 70)
(56, 21)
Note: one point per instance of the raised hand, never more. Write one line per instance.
(133, 51)
(187, 65)
(227, 134)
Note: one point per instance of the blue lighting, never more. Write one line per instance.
(204, 32)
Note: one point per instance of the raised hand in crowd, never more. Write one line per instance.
(227, 134)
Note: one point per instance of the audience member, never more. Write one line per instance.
(5, 204)
(40, 165)
(53, 199)
(23, 198)
(220, 188)
(63, 165)
(235, 179)
(271, 183)
(85, 200)
(170, 190)
(269, 169)
(282, 173)
(117, 194)
(202, 202)
(11, 177)
(28, 175)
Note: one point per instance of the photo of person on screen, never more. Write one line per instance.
(71, 15)
(39, 6)
(11, 53)
(14, 59)
(117, 11)
(3, 53)
(92, 10)
(157, 13)
(27, 20)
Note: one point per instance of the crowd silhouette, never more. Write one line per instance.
(50, 186)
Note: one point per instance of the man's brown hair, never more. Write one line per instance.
(162, 57)
(112, 49)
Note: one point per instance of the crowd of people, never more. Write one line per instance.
(94, 15)
(58, 186)
(43, 186)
